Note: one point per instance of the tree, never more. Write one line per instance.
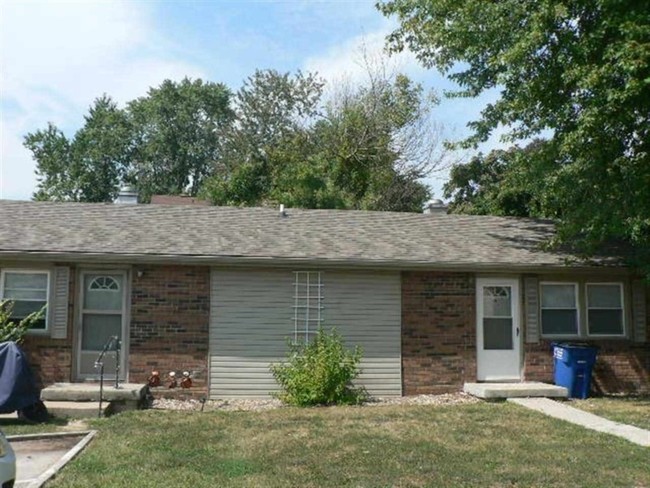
(90, 166)
(177, 136)
(579, 70)
(51, 150)
(272, 111)
(367, 147)
(167, 142)
(496, 184)
(381, 142)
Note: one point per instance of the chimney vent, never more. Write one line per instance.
(435, 206)
(283, 212)
(127, 196)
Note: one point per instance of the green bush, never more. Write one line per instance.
(320, 372)
(10, 329)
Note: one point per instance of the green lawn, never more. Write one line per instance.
(13, 426)
(628, 410)
(484, 444)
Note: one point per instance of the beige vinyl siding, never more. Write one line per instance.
(252, 316)
(366, 309)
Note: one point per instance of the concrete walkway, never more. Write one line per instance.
(585, 419)
(40, 456)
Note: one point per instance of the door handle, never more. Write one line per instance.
(517, 331)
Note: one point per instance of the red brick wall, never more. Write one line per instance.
(622, 366)
(170, 314)
(51, 359)
(438, 331)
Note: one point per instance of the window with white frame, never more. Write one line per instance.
(582, 309)
(28, 290)
(308, 304)
(559, 307)
(605, 315)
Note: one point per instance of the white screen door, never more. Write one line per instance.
(498, 348)
(102, 315)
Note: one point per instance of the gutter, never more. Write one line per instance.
(269, 261)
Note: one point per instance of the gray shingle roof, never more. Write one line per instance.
(227, 233)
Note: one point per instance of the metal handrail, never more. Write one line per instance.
(114, 343)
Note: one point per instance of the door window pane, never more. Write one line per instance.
(497, 333)
(105, 297)
(97, 329)
(496, 301)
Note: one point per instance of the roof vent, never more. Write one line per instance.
(435, 206)
(127, 196)
(283, 212)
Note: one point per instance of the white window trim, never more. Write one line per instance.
(622, 309)
(576, 308)
(47, 272)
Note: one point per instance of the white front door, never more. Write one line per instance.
(102, 315)
(498, 352)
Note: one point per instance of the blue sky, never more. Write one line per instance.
(57, 56)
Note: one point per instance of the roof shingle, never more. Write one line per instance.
(222, 233)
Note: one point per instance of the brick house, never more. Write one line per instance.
(434, 300)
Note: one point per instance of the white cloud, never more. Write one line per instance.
(57, 57)
(345, 61)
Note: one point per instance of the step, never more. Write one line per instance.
(89, 392)
(515, 390)
(76, 410)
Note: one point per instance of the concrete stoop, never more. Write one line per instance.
(498, 391)
(76, 410)
(81, 400)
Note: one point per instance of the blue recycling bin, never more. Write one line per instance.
(573, 366)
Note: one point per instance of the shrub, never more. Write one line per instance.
(10, 329)
(320, 372)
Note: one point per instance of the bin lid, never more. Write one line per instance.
(574, 345)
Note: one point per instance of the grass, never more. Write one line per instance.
(482, 444)
(14, 426)
(627, 410)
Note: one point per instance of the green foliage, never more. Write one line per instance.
(272, 110)
(320, 372)
(166, 142)
(365, 147)
(278, 140)
(495, 184)
(178, 136)
(89, 167)
(576, 71)
(10, 329)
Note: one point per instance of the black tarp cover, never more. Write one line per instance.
(18, 388)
